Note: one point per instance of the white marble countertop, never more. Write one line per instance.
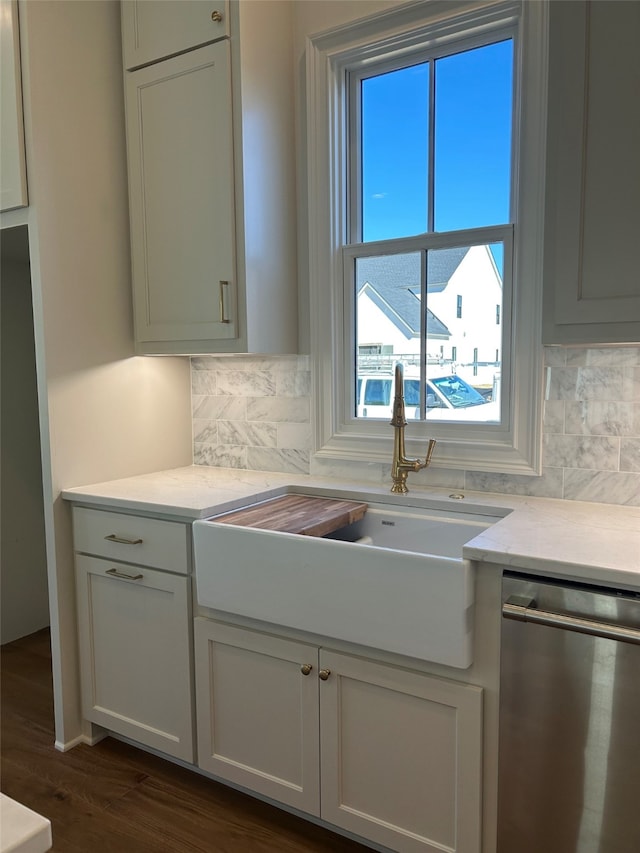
(21, 829)
(589, 541)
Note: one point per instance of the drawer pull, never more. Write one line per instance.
(113, 538)
(324, 674)
(116, 573)
(306, 668)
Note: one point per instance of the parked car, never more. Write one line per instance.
(446, 397)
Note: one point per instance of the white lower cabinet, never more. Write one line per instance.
(257, 714)
(389, 754)
(135, 655)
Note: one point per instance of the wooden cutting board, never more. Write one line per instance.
(300, 514)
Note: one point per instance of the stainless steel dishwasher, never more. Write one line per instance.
(569, 760)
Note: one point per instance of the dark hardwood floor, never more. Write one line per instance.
(113, 798)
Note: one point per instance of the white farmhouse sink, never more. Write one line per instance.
(395, 580)
(422, 531)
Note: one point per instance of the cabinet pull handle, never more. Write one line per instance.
(113, 538)
(223, 310)
(306, 668)
(324, 674)
(216, 16)
(118, 574)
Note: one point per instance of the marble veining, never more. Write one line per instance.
(548, 485)
(241, 383)
(597, 418)
(220, 455)
(221, 408)
(599, 383)
(205, 431)
(569, 538)
(600, 356)
(295, 436)
(578, 451)
(289, 409)
(272, 459)
(247, 433)
(630, 454)
(612, 487)
(254, 412)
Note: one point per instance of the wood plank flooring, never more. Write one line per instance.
(113, 798)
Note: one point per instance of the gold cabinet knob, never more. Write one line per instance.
(306, 668)
(324, 674)
(216, 16)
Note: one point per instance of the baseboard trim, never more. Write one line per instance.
(89, 740)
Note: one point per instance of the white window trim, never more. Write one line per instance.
(515, 446)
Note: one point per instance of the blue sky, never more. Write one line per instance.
(472, 144)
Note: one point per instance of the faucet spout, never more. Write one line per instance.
(402, 465)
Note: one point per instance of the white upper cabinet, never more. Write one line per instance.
(181, 216)
(210, 143)
(156, 30)
(13, 174)
(592, 283)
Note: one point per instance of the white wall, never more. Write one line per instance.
(104, 413)
(23, 566)
(311, 17)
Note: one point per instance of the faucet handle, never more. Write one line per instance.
(430, 448)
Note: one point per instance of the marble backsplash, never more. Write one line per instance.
(254, 413)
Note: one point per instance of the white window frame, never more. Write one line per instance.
(514, 446)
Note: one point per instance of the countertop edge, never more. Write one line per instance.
(586, 541)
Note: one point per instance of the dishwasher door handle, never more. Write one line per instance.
(525, 610)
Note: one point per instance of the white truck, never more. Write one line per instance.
(448, 397)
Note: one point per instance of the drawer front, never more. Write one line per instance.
(133, 539)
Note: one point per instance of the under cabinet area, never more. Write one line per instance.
(210, 148)
(389, 754)
(134, 629)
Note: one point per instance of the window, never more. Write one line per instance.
(424, 170)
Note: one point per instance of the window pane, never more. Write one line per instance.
(464, 296)
(388, 327)
(473, 114)
(395, 115)
(462, 324)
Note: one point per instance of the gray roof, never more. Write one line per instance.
(441, 265)
(393, 284)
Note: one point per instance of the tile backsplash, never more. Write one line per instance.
(254, 413)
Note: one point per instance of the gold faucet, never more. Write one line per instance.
(401, 465)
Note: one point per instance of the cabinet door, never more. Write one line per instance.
(13, 175)
(592, 286)
(257, 712)
(401, 756)
(134, 631)
(155, 29)
(181, 193)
